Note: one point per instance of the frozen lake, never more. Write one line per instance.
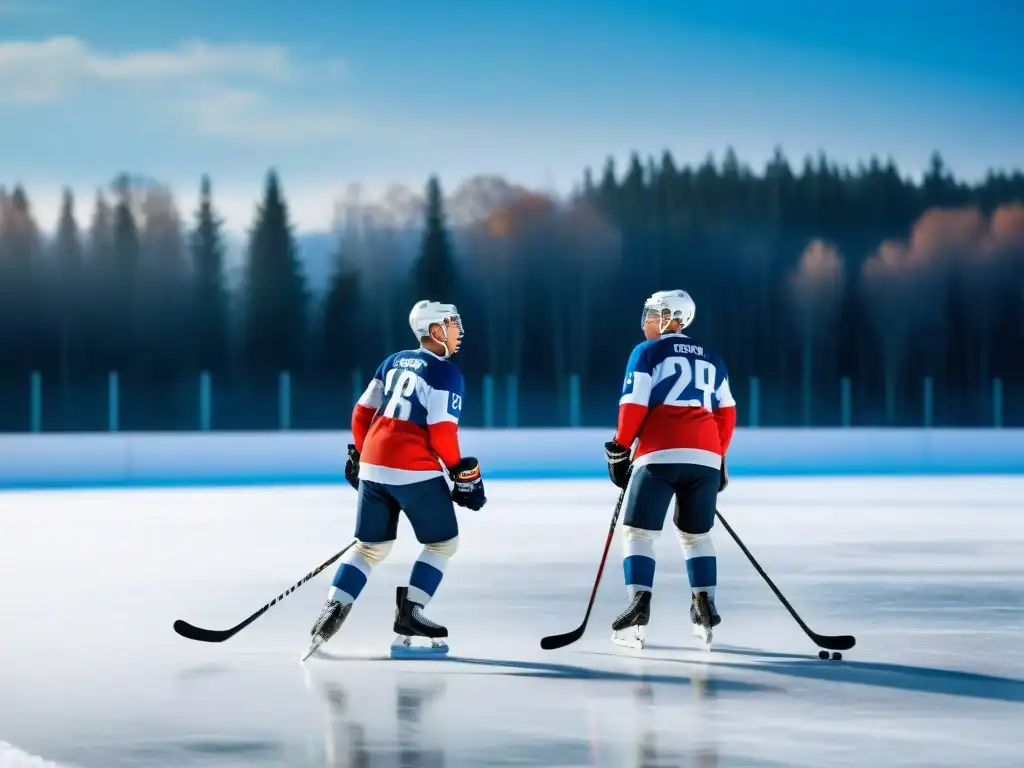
(927, 573)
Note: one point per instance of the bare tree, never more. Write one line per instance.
(518, 261)
(817, 286)
(888, 291)
(592, 249)
(939, 241)
(991, 270)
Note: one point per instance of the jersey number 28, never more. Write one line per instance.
(691, 375)
(399, 385)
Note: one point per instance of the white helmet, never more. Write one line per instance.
(427, 313)
(669, 306)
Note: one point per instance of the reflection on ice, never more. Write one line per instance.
(931, 591)
(417, 741)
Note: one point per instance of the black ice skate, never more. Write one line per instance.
(630, 626)
(704, 617)
(327, 626)
(409, 623)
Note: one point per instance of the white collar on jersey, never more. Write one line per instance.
(432, 354)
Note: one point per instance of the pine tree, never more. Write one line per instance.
(340, 315)
(123, 328)
(97, 287)
(210, 301)
(275, 291)
(69, 293)
(20, 275)
(161, 291)
(434, 273)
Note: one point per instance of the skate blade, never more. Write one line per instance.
(403, 648)
(704, 634)
(632, 637)
(313, 648)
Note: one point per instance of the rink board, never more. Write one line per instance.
(276, 458)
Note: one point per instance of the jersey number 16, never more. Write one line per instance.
(400, 385)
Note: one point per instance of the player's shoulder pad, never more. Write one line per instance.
(443, 374)
(644, 356)
(453, 376)
(709, 353)
(386, 365)
(640, 350)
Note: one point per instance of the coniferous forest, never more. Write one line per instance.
(828, 291)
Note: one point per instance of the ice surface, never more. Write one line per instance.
(927, 573)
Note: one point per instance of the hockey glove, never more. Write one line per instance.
(352, 467)
(725, 477)
(618, 463)
(469, 486)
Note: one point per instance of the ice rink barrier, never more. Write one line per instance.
(273, 458)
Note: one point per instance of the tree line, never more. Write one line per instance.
(802, 276)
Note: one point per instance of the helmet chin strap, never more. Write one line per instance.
(443, 341)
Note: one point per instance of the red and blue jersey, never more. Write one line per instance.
(408, 418)
(676, 399)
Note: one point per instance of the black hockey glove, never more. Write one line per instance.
(618, 463)
(725, 477)
(352, 467)
(469, 486)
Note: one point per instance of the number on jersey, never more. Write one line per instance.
(398, 388)
(691, 377)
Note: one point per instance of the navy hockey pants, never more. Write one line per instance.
(652, 487)
(427, 504)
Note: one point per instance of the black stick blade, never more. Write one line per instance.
(551, 642)
(191, 632)
(835, 642)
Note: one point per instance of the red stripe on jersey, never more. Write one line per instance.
(399, 444)
(670, 426)
(726, 420)
(631, 418)
(444, 439)
(362, 417)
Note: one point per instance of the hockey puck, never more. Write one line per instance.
(837, 656)
(823, 655)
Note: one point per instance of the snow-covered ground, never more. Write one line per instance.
(927, 573)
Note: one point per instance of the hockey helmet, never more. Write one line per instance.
(669, 306)
(427, 313)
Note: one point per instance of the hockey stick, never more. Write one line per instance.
(831, 642)
(551, 642)
(193, 632)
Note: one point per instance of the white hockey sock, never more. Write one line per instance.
(428, 570)
(701, 561)
(354, 571)
(638, 559)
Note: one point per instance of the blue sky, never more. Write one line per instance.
(337, 92)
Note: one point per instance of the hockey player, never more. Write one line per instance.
(404, 422)
(676, 400)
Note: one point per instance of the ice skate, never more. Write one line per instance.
(411, 623)
(630, 627)
(330, 621)
(704, 617)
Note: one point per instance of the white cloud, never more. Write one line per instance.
(226, 91)
(48, 70)
(23, 7)
(248, 115)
